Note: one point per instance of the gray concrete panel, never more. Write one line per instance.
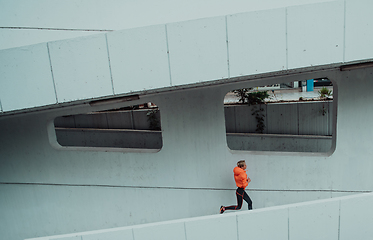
(219, 228)
(243, 45)
(314, 118)
(26, 78)
(356, 218)
(358, 39)
(304, 34)
(198, 50)
(81, 68)
(263, 225)
(65, 121)
(91, 121)
(120, 120)
(278, 143)
(245, 121)
(140, 120)
(126, 234)
(173, 230)
(323, 217)
(331, 114)
(109, 138)
(139, 59)
(230, 119)
(282, 119)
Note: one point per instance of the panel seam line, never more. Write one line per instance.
(108, 56)
(50, 64)
(286, 38)
(227, 42)
(344, 31)
(168, 54)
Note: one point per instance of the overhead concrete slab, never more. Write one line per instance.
(257, 42)
(315, 34)
(359, 30)
(26, 78)
(81, 68)
(198, 50)
(139, 59)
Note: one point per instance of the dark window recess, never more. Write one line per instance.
(137, 127)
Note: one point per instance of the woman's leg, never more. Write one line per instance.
(240, 196)
(248, 200)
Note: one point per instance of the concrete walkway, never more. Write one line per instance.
(342, 218)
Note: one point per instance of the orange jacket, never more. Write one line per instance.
(240, 177)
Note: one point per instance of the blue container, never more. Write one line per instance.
(310, 85)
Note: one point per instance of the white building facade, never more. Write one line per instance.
(186, 69)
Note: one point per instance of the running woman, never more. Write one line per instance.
(242, 181)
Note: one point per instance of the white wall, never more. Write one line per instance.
(176, 54)
(325, 219)
(110, 15)
(47, 190)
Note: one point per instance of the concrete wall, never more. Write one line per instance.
(325, 219)
(278, 142)
(106, 138)
(145, 139)
(25, 23)
(300, 118)
(191, 52)
(111, 129)
(49, 190)
(111, 120)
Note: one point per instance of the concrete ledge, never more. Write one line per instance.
(221, 227)
(278, 142)
(314, 221)
(356, 217)
(347, 217)
(256, 224)
(175, 231)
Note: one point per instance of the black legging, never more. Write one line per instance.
(241, 195)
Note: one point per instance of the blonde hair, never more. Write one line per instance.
(241, 163)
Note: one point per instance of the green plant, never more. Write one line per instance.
(323, 111)
(257, 99)
(325, 93)
(259, 116)
(153, 120)
(254, 98)
(241, 94)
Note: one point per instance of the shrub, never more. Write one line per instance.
(242, 94)
(325, 93)
(257, 97)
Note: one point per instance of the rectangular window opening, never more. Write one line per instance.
(133, 127)
(285, 117)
